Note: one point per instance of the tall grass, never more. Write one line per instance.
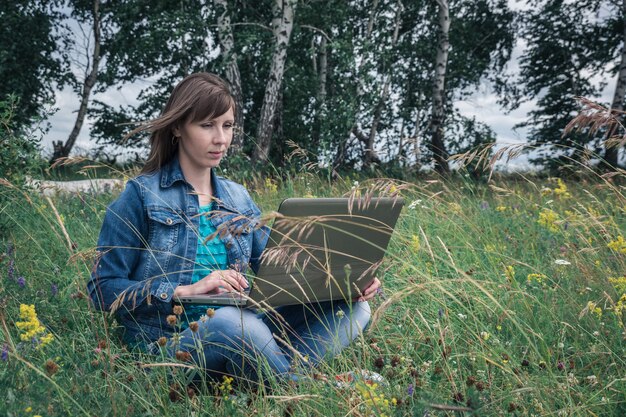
(499, 298)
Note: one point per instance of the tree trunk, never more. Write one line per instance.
(63, 150)
(359, 90)
(227, 43)
(282, 24)
(370, 153)
(611, 151)
(436, 124)
(320, 102)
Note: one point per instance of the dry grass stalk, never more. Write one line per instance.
(594, 117)
(58, 217)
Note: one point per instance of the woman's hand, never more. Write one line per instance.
(217, 282)
(370, 291)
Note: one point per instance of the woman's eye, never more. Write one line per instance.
(207, 125)
(228, 125)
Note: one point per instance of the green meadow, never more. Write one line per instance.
(501, 297)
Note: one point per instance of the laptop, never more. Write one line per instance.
(319, 249)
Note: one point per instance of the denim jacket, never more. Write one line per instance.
(148, 243)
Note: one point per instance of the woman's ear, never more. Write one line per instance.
(176, 131)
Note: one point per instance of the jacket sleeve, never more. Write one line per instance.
(122, 239)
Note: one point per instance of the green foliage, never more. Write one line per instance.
(20, 154)
(29, 67)
(569, 47)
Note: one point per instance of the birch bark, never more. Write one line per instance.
(282, 25)
(612, 149)
(370, 153)
(227, 44)
(437, 145)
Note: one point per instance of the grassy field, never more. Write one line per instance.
(506, 298)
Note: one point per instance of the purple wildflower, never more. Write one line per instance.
(410, 390)
(21, 281)
(381, 293)
(440, 313)
(9, 251)
(484, 205)
(11, 269)
(54, 290)
(5, 353)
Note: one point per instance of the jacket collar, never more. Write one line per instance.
(172, 172)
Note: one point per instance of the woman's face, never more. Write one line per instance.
(203, 144)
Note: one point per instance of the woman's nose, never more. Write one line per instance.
(220, 135)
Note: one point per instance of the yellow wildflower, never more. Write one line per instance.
(455, 207)
(594, 309)
(561, 190)
(501, 208)
(539, 278)
(28, 409)
(618, 245)
(592, 212)
(620, 307)
(270, 185)
(548, 219)
(31, 327)
(509, 272)
(619, 284)
(415, 243)
(371, 398)
(485, 336)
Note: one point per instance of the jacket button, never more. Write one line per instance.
(163, 295)
(168, 221)
(228, 245)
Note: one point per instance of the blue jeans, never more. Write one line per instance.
(251, 346)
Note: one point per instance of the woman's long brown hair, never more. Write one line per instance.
(197, 97)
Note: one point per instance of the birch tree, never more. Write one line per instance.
(370, 138)
(282, 25)
(611, 152)
(229, 57)
(60, 149)
(437, 118)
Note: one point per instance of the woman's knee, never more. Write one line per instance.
(361, 314)
(234, 325)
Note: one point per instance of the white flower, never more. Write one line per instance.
(596, 333)
(462, 316)
(414, 204)
(562, 262)
(592, 379)
(561, 345)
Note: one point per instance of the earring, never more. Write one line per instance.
(174, 140)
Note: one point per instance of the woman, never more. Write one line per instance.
(179, 229)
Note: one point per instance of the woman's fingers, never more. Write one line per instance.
(229, 279)
(370, 291)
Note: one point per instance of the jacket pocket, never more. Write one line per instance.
(240, 229)
(165, 225)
